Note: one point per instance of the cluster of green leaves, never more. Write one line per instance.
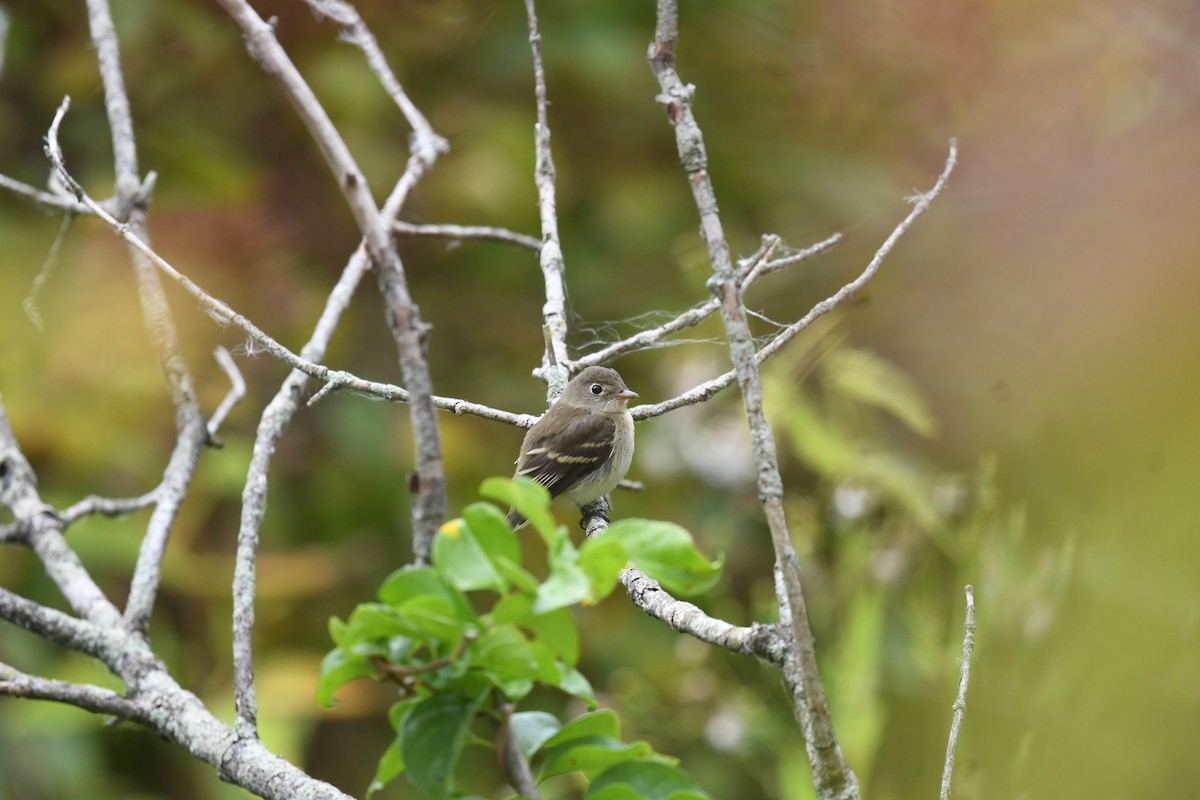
(457, 665)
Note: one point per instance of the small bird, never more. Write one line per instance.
(581, 448)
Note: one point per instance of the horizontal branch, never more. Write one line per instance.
(463, 233)
(107, 506)
(52, 200)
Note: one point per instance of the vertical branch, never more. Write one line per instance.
(960, 702)
(831, 775)
(275, 419)
(555, 359)
(429, 506)
(426, 145)
(132, 199)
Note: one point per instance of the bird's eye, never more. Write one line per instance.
(597, 388)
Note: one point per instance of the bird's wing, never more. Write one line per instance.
(582, 448)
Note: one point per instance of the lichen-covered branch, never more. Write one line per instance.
(832, 776)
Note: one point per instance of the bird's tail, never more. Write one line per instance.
(515, 519)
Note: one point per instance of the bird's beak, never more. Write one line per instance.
(624, 394)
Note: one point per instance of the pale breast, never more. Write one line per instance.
(604, 480)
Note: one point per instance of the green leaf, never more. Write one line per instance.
(373, 623)
(528, 497)
(665, 552)
(512, 609)
(557, 630)
(337, 669)
(433, 616)
(391, 765)
(409, 582)
(649, 780)
(566, 586)
(872, 381)
(491, 530)
(596, 723)
(549, 669)
(458, 555)
(431, 740)
(573, 683)
(504, 652)
(532, 729)
(590, 755)
(603, 558)
(517, 577)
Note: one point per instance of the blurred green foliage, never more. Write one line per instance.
(1011, 403)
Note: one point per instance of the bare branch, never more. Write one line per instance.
(356, 32)
(960, 702)
(756, 267)
(767, 265)
(832, 777)
(132, 198)
(429, 506)
(43, 198)
(107, 506)
(55, 626)
(15, 683)
(39, 526)
(426, 148)
(237, 390)
(223, 313)
(704, 391)
(464, 233)
(768, 642)
(556, 358)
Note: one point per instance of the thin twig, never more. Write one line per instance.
(429, 505)
(550, 257)
(107, 506)
(462, 233)
(832, 776)
(52, 200)
(756, 267)
(425, 145)
(223, 313)
(29, 304)
(704, 391)
(960, 702)
(237, 390)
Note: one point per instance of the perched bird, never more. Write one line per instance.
(582, 446)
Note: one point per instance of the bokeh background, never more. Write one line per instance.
(1012, 403)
